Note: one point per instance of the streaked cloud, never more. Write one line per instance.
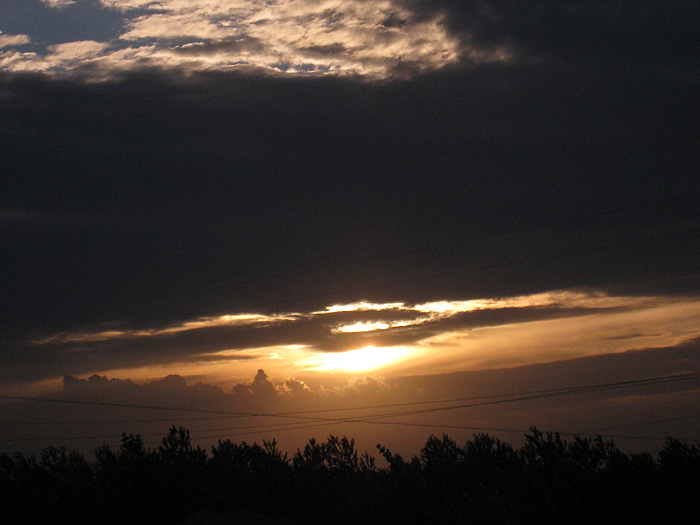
(440, 310)
(441, 336)
(570, 337)
(360, 306)
(204, 322)
(408, 315)
(58, 3)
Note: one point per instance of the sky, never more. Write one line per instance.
(385, 219)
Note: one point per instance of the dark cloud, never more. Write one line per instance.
(592, 31)
(394, 19)
(233, 191)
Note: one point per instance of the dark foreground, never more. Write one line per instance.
(548, 480)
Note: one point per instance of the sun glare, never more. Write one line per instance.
(363, 359)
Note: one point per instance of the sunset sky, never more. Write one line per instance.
(385, 219)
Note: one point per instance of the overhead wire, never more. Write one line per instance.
(231, 415)
(313, 421)
(643, 424)
(532, 394)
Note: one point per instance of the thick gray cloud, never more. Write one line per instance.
(250, 190)
(590, 30)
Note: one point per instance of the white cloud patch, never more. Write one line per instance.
(311, 37)
(21, 61)
(346, 37)
(360, 306)
(174, 25)
(7, 40)
(72, 52)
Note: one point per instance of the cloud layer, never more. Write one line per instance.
(375, 40)
(368, 39)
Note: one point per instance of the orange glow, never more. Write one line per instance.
(361, 360)
(427, 344)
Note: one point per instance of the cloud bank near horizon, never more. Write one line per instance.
(329, 404)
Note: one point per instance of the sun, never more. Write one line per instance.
(361, 360)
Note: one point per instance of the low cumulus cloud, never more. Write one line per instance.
(261, 391)
(244, 398)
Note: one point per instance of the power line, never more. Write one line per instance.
(533, 394)
(237, 415)
(375, 418)
(643, 424)
(272, 414)
(430, 425)
(114, 421)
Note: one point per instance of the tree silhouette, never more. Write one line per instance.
(128, 478)
(548, 480)
(241, 476)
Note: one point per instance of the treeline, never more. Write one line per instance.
(547, 480)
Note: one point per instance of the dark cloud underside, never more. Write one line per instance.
(162, 195)
(590, 30)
